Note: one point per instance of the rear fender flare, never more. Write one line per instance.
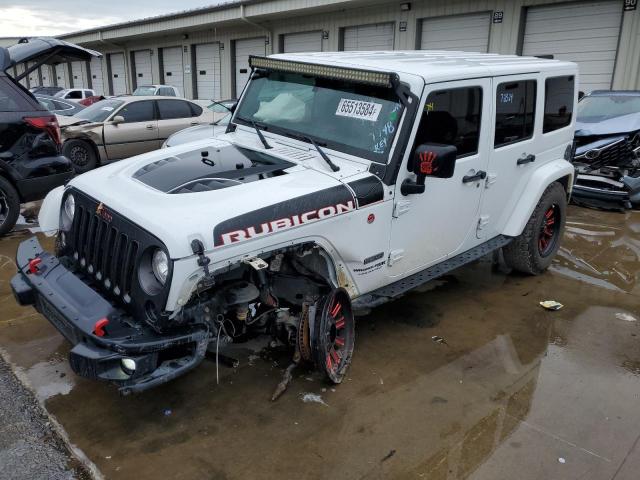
(538, 183)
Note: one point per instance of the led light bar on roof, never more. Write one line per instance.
(383, 79)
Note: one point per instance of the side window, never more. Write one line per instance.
(515, 111)
(170, 109)
(166, 91)
(196, 110)
(558, 103)
(137, 112)
(87, 93)
(74, 94)
(452, 117)
(10, 98)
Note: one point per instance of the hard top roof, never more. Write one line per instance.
(434, 65)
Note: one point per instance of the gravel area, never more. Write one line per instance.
(29, 447)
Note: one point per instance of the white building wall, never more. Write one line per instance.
(276, 17)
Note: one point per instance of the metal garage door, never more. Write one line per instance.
(142, 62)
(97, 80)
(369, 37)
(34, 81)
(79, 72)
(244, 48)
(208, 71)
(586, 34)
(118, 74)
(467, 33)
(47, 76)
(302, 42)
(61, 75)
(172, 68)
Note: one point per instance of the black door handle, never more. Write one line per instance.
(528, 159)
(474, 178)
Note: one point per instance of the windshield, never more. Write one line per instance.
(99, 111)
(604, 107)
(354, 118)
(145, 91)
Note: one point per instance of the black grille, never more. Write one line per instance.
(104, 251)
(611, 155)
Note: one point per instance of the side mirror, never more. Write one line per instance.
(117, 119)
(430, 160)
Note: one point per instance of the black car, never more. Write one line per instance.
(31, 162)
(607, 156)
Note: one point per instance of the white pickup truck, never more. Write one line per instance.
(343, 181)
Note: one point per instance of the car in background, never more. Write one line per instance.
(40, 90)
(75, 93)
(31, 162)
(607, 150)
(153, 90)
(198, 132)
(91, 100)
(121, 127)
(58, 106)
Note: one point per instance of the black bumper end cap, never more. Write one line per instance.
(22, 291)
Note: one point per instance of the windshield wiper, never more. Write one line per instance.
(324, 156)
(262, 139)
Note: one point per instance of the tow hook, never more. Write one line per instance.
(33, 265)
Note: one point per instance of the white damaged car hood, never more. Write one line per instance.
(216, 191)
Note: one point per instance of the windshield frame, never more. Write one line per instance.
(359, 153)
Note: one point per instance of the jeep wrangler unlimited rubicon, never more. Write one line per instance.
(343, 181)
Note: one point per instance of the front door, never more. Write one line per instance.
(429, 227)
(137, 134)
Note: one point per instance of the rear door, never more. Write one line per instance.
(174, 115)
(441, 222)
(517, 100)
(138, 134)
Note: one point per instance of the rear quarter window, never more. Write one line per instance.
(196, 110)
(558, 102)
(515, 111)
(11, 98)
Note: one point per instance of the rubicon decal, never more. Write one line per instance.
(282, 216)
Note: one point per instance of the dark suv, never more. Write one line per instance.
(31, 162)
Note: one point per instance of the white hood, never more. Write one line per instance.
(177, 218)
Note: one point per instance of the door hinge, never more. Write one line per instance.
(395, 256)
(483, 221)
(490, 180)
(400, 207)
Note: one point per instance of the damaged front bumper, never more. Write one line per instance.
(606, 193)
(107, 343)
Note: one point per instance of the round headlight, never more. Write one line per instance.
(70, 207)
(160, 265)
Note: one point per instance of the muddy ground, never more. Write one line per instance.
(513, 391)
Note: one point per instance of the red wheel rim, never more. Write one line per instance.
(549, 230)
(336, 334)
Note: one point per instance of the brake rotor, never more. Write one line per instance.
(304, 342)
(334, 335)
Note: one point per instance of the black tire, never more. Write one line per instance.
(82, 155)
(9, 206)
(533, 251)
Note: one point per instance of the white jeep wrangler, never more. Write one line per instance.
(343, 181)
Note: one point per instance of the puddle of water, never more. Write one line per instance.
(511, 390)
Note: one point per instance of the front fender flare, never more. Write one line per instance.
(49, 216)
(537, 184)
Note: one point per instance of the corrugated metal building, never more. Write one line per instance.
(204, 52)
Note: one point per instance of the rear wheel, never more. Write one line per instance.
(334, 335)
(533, 251)
(81, 154)
(9, 206)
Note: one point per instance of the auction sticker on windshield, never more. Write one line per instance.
(359, 109)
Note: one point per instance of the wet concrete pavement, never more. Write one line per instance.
(514, 391)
